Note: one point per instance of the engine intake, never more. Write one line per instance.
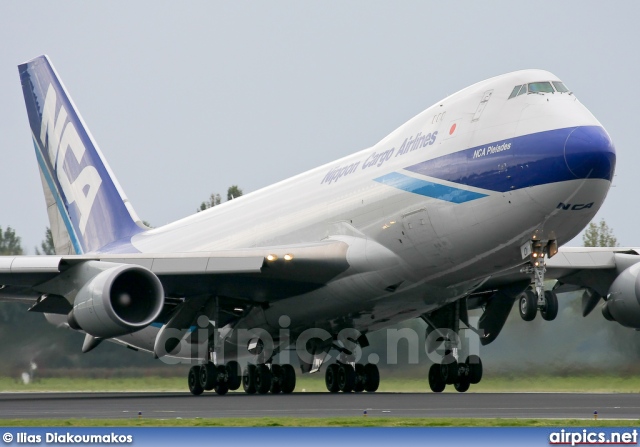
(623, 300)
(120, 299)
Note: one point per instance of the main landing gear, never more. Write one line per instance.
(443, 326)
(260, 379)
(208, 376)
(348, 377)
(450, 372)
(263, 378)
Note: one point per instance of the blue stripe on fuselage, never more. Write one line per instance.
(530, 160)
(429, 189)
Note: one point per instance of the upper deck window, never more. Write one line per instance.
(560, 87)
(541, 87)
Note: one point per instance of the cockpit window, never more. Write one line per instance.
(560, 87)
(515, 91)
(540, 87)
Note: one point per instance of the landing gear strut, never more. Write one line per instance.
(536, 298)
(443, 328)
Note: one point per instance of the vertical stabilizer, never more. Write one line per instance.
(86, 206)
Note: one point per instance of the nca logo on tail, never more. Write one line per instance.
(83, 190)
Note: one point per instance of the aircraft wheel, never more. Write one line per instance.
(528, 305)
(194, 380)
(331, 378)
(550, 310)
(234, 376)
(372, 377)
(263, 379)
(475, 369)
(288, 379)
(249, 379)
(208, 376)
(462, 385)
(360, 378)
(346, 378)
(449, 369)
(276, 380)
(436, 382)
(222, 388)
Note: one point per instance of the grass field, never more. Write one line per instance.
(491, 383)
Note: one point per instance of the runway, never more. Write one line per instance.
(209, 405)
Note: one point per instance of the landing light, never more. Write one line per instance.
(271, 257)
(288, 257)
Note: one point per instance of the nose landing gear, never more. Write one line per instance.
(536, 298)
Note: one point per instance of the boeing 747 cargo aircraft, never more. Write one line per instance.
(462, 207)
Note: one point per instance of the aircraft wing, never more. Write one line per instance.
(256, 275)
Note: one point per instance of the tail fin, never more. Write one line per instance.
(86, 206)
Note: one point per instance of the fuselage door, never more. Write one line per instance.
(418, 228)
(483, 103)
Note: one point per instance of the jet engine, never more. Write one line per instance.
(118, 300)
(623, 300)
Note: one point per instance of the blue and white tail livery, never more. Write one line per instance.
(87, 209)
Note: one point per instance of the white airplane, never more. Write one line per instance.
(457, 209)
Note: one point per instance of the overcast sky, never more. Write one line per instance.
(187, 98)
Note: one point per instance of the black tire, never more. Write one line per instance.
(346, 378)
(288, 379)
(475, 369)
(208, 376)
(461, 386)
(222, 388)
(449, 369)
(528, 305)
(234, 375)
(550, 310)
(194, 381)
(276, 379)
(436, 382)
(263, 379)
(360, 378)
(249, 379)
(372, 378)
(331, 378)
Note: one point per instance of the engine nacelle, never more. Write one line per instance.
(120, 299)
(623, 300)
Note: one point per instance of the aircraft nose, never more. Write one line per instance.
(589, 153)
